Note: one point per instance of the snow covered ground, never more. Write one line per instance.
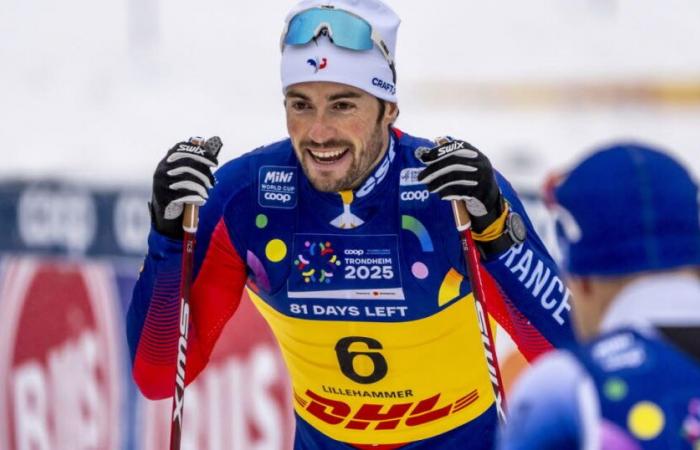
(97, 91)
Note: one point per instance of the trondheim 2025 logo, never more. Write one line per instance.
(316, 262)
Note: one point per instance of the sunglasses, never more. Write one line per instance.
(344, 29)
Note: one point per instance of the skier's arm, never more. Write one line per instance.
(535, 301)
(153, 314)
(152, 319)
(526, 296)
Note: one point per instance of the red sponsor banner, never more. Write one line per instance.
(59, 356)
(241, 401)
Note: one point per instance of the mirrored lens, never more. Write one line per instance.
(347, 30)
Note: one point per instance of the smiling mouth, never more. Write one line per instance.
(327, 157)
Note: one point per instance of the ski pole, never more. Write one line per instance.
(190, 219)
(471, 256)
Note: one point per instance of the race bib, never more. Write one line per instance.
(360, 267)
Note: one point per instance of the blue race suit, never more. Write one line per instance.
(636, 386)
(366, 293)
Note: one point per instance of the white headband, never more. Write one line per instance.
(320, 60)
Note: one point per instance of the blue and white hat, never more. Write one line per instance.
(370, 68)
(628, 208)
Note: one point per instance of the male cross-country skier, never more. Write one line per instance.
(345, 242)
(629, 222)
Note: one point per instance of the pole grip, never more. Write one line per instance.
(462, 220)
(190, 218)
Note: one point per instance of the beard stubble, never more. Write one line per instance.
(360, 168)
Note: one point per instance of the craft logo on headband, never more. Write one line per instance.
(389, 87)
(317, 64)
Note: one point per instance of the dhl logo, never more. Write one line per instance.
(381, 416)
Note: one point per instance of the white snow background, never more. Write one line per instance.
(97, 91)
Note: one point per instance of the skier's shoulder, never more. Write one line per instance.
(406, 145)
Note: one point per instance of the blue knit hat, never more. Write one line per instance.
(628, 208)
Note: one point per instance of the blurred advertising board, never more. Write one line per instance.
(69, 257)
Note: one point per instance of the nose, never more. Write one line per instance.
(321, 130)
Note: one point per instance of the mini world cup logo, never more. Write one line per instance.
(317, 64)
(316, 262)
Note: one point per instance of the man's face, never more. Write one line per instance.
(337, 133)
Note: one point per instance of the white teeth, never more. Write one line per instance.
(327, 155)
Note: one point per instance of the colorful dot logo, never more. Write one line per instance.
(646, 420)
(317, 262)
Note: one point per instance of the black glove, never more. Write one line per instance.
(457, 170)
(183, 176)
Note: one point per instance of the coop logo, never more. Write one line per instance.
(275, 196)
(59, 357)
(412, 196)
(277, 187)
(317, 64)
(50, 217)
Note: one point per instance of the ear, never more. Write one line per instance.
(391, 113)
